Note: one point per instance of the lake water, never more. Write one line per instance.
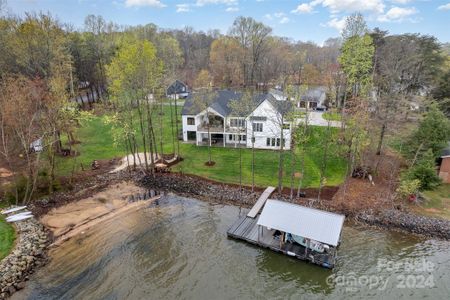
(179, 250)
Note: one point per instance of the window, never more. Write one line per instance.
(255, 118)
(278, 142)
(237, 123)
(191, 121)
(257, 127)
(268, 142)
(243, 138)
(286, 126)
(191, 135)
(230, 137)
(273, 142)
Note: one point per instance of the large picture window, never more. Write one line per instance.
(257, 127)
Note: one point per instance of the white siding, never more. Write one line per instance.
(271, 127)
(187, 127)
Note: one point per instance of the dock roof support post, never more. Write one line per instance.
(259, 228)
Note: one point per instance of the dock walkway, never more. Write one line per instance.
(261, 201)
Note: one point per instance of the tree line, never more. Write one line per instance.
(373, 78)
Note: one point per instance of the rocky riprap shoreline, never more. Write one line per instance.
(191, 186)
(29, 252)
(409, 222)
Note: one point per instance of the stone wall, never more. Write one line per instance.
(28, 253)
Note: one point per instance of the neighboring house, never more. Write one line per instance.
(264, 123)
(36, 146)
(278, 94)
(177, 90)
(444, 166)
(314, 98)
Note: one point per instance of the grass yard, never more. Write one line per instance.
(331, 116)
(7, 237)
(437, 202)
(97, 143)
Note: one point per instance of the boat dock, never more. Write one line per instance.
(248, 228)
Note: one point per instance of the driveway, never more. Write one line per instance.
(316, 119)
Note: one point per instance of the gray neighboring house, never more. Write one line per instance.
(314, 98)
(278, 94)
(178, 90)
(225, 129)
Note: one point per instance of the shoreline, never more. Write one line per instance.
(66, 215)
(83, 227)
(387, 218)
(28, 253)
(393, 219)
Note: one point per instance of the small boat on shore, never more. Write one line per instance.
(14, 209)
(19, 217)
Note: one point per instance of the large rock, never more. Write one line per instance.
(16, 267)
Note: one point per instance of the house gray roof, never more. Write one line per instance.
(278, 93)
(303, 221)
(177, 87)
(316, 94)
(221, 103)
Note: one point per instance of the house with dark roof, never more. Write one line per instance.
(444, 165)
(314, 99)
(278, 94)
(264, 127)
(177, 90)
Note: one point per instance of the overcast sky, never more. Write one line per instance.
(314, 20)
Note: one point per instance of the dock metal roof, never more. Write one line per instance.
(307, 222)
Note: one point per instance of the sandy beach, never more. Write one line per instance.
(78, 217)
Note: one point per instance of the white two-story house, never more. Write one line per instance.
(265, 127)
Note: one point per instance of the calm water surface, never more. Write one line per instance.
(179, 250)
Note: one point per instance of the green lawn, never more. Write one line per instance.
(7, 237)
(437, 202)
(331, 116)
(97, 143)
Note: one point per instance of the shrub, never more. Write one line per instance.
(408, 187)
(424, 171)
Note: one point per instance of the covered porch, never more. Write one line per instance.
(215, 139)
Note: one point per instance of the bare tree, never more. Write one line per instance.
(241, 109)
(252, 37)
(203, 100)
